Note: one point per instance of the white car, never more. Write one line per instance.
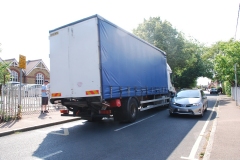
(189, 101)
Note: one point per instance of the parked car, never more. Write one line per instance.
(12, 83)
(33, 90)
(213, 91)
(189, 101)
(13, 88)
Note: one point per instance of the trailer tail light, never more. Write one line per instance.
(115, 103)
(64, 111)
(56, 94)
(105, 112)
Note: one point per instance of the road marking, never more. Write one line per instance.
(50, 155)
(65, 127)
(65, 131)
(134, 123)
(197, 142)
(211, 138)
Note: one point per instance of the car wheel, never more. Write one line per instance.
(201, 115)
(206, 107)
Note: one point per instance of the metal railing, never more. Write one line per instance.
(14, 103)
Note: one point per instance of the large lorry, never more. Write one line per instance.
(100, 70)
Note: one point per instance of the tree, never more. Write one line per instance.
(226, 55)
(164, 36)
(196, 67)
(184, 56)
(4, 72)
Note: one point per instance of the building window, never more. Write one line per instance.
(39, 78)
(14, 76)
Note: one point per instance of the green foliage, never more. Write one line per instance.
(184, 56)
(225, 55)
(194, 70)
(4, 72)
(227, 88)
(164, 36)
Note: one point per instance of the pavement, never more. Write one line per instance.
(34, 121)
(223, 143)
(224, 140)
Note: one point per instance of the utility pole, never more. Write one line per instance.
(237, 22)
(22, 65)
(235, 70)
(235, 65)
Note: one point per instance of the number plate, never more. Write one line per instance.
(182, 110)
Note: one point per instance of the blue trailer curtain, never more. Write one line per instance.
(129, 66)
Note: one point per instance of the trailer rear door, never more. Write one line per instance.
(74, 60)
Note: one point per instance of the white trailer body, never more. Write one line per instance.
(74, 54)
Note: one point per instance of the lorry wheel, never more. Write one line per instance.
(130, 109)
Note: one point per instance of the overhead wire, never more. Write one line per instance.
(237, 22)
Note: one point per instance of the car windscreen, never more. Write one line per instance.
(188, 94)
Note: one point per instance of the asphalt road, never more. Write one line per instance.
(155, 135)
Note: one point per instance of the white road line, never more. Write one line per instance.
(211, 138)
(65, 132)
(197, 143)
(53, 131)
(134, 123)
(50, 155)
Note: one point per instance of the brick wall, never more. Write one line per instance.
(31, 78)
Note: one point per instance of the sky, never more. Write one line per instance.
(202, 81)
(25, 24)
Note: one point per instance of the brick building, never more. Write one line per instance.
(36, 71)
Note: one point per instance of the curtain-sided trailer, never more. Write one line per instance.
(100, 70)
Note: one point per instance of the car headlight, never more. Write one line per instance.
(173, 103)
(196, 104)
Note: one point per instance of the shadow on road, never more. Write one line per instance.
(155, 135)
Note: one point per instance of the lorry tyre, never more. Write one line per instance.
(130, 109)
